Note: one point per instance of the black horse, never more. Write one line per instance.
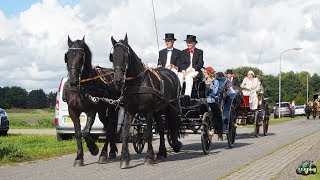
(149, 92)
(83, 83)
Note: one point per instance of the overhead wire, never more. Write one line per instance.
(155, 24)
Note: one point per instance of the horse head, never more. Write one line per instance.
(75, 59)
(120, 59)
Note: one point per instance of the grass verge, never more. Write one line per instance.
(31, 118)
(23, 148)
(275, 121)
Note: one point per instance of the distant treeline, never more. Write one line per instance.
(17, 97)
(294, 88)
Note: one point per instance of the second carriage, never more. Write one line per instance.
(256, 117)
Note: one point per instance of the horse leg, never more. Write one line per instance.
(104, 152)
(77, 128)
(162, 153)
(149, 159)
(93, 148)
(109, 136)
(125, 155)
(173, 127)
(112, 133)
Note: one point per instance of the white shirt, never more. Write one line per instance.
(190, 67)
(169, 53)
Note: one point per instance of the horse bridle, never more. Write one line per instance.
(125, 68)
(81, 50)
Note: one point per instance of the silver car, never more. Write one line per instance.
(299, 111)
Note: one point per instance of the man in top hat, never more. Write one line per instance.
(190, 63)
(169, 56)
(233, 82)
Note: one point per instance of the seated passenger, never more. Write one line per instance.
(169, 56)
(214, 86)
(250, 87)
(190, 63)
(208, 73)
(215, 106)
(233, 82)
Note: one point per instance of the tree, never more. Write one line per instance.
(51, 99)
(37, 99)
(14, 97)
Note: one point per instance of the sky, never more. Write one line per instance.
(232, 33)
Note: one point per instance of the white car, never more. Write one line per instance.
(64, 124)
(299, 111)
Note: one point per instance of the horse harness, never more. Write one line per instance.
(85, 89)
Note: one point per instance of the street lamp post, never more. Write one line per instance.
(307, 89)
(296, 49)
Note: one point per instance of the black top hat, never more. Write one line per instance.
(191, 38)
(169, 36)
(229, 71)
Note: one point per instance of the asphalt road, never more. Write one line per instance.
(190, 163)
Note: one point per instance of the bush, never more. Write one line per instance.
(10, 153)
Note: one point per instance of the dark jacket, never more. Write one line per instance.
(163, 57)
(235, 84)
(197, 60)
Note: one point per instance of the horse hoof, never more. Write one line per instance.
(148, 161)
(94, 151)
(176, 146)
(78, 163)
(124, 164)
(102, 160)
(160, 158)
(112, 157)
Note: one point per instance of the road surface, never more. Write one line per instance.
(190, 163)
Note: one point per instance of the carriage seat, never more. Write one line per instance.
(199, 89)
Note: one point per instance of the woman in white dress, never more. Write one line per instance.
(250, 87)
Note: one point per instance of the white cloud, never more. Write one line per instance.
(231, 33)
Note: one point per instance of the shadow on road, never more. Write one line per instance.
(251, 135)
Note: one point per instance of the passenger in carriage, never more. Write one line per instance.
(208, 75)
(233, 82)
(169, 56)
(250, 87)
(215, 106)
(190, 63)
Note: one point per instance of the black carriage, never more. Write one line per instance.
(196, 115)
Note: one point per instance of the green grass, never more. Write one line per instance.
(31, 118)
(283, 120)
(313, 176)
(22, 148)
(273, 121)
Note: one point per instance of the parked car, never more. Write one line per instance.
(299, 111)
(63, 122)
(285, 110)
(4, 122)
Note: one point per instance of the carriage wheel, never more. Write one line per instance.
(256, 124)
(206, 136)
(231, 134)
(138, 140)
